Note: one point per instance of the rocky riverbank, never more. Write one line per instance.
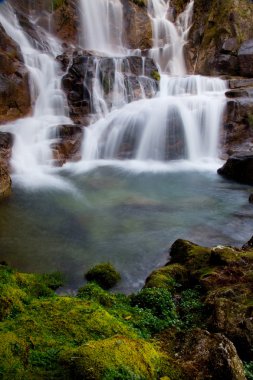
(192, 320)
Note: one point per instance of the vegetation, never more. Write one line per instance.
(147, 335)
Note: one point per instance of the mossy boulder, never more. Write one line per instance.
(167, 277)
(105, 275)
(191, 255)
(114, 358)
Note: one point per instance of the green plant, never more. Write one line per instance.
(191, 308)
(158, 300)
(248, 369)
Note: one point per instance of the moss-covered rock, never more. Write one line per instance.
(168, 277)
(105, 275)
(114, 358)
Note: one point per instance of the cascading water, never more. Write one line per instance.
(32, 155)
(181, 122)
(102, 22)
(169, 38)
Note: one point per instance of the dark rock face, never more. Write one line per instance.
(85, 67)
(214, 36)
(239, 168)
(68, 144)
(5, 183)
(14, 87)
(245, 55)
(137, 28)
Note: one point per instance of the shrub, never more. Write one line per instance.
(158, 300)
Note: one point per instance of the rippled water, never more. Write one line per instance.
(129, 219)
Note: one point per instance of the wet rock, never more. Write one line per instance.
(137, 28)
(14, 86)
(68, 144)
(239, 168)
(245, 55)
(240, 82)
(66, 23)
(237, 132)
(6, 143)
(85, 69)
(238, 93)
(230, 46)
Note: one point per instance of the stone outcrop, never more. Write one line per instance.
(245, 55)
(85, 68)
(68, 144)
(239, 168)
(218, 31)
(137, 25)
(14, 86)
(5, 183)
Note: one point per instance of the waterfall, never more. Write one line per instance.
(32, 154)
(131, 120)
(181, 122)
(102, 23)
(169, 38)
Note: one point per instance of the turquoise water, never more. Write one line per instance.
(129, 219)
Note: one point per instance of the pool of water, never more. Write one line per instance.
(127, 218)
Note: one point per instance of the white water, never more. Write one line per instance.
(102, 23)
(187, 108)
(32, 155)
(169, 38)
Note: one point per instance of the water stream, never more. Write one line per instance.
(148, 169)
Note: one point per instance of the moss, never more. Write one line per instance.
(93, 292)
(224, 256)
(155, 75)
(104, 275)
(136, 358)
(58, 3)
(189, 254)
(168, 277)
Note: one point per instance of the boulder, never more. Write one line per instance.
(204, 355)
(239, 168)
(67, 146)
(245, 55)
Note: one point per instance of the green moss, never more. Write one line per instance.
(189, 254)
(98, 360)
(224, 256)
(168, 277)
(93, 292)
(104, 275)
(155, 75)
(58, 3)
